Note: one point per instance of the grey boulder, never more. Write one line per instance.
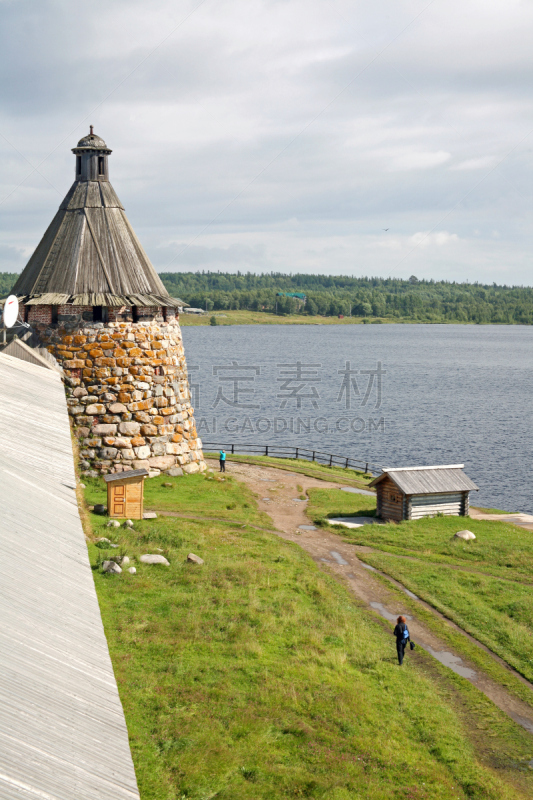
(113, 523)
(154, 559)
(195, 559)
(111, 566)
(175, 472)
(466, 535)
(132, 570)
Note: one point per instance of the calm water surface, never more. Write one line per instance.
(447, 394)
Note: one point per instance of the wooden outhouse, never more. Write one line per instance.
(125, 492)
(415, 492)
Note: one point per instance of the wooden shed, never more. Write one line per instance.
(125, 493)
(415, 492)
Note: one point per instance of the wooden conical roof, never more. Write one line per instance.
(90, 254)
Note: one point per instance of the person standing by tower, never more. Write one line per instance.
(222, 460)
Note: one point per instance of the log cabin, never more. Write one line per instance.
(415, 492)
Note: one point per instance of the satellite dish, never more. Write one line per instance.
(11, 311)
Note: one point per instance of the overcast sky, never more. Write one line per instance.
(281, 135)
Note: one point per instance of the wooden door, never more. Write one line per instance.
(134, 500)
(118, 501)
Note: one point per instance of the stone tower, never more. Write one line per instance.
(96, 302)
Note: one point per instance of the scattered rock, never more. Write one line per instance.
(175, 472)
(125, 561)
(128, 523)
(113, 523)
(132, 570)
(99, 509)
(103, 539)
(168, 485)
(111, 566)
(82, 486)
(195, 559)
(154, 559)
(149, 515)
(466, 535)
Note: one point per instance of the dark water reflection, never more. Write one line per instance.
(450, 394)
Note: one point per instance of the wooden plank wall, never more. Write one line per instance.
(390, 500)
(429, 505)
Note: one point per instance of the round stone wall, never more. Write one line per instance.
(128, 395)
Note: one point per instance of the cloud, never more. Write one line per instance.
(417, 160)
(437, 238)
(190, 256)
(474, 163)
(275, 135)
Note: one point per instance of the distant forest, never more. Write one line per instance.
(329, 295)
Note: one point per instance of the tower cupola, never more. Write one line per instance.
(91, 158)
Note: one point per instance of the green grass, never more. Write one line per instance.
(496, 608)
(312, 469)
(500, 547)
(324, 503)
(497, 612)
(200, 494)
(257, 676)
(460, 643)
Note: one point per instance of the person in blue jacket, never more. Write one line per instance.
(222, 460)
(401, 631)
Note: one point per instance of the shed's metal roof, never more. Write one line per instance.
(132, 473)
(62, 728)
(428, 480)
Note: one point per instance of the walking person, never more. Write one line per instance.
(222, 460)
(401, 631)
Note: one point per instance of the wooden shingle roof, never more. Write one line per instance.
(90, 250)
(428, 480)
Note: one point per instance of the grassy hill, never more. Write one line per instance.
(256, 675)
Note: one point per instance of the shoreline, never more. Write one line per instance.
(242, 317)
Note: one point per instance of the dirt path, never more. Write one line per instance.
(279, 497)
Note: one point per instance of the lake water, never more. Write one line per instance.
(395, 395)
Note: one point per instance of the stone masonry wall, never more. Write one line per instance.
(127, 393)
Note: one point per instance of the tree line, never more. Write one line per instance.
(377, 298)
(331, 295)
